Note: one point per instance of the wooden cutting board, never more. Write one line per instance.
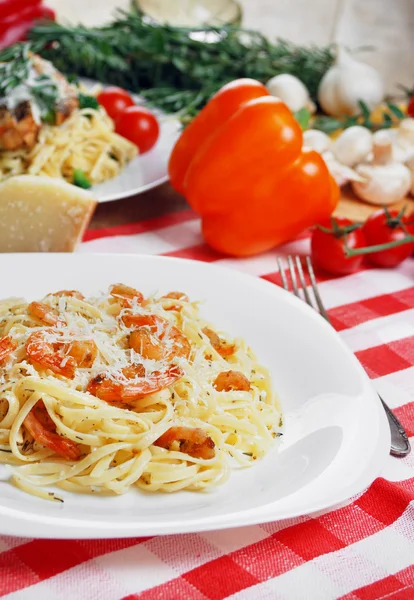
(354, 209)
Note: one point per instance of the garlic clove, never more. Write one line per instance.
(347, 82)
(316, 140)
(341, 173)
(353, 145)
(291, 91)
(384, 184)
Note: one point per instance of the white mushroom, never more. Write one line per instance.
(316, 140)
(341, 173)
(353, 145)
(385, 181)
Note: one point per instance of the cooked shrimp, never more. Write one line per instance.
(155, 338)
(18, 128)
(69, 294)
(219, 345)
(44, 313)
(132, 371)
(84, 352)
(43, 430)
(45, 353)
(117, 391)
(175, 296)
(231, 380)
(145, 343)
(192, 441)
(6, 347)
(126, 295)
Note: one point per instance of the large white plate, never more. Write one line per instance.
(336, 434)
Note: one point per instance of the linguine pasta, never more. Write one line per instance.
(98, 395)
(86, 140)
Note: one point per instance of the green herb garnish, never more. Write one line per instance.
(14, 67)
(80, 179)
(86, 101)
(49, 117)
(15, 71)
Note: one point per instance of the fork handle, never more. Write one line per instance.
(400, 444)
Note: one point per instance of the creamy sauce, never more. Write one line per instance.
(23, 93)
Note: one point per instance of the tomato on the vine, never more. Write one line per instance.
(383, 227)
(139, 126)
(114, 100)
(328, 245)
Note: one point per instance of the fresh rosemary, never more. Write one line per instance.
(176, 69)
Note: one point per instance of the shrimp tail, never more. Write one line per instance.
(40, 430)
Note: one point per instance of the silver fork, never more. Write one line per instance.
(400, 445)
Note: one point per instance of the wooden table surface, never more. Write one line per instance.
(386, 25)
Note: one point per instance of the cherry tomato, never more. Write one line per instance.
(410, 108)
(139, 126)
(328, 249)
(114, 100)
(381, 228)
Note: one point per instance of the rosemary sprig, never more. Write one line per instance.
(177, 69)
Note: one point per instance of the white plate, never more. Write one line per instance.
(336, 434)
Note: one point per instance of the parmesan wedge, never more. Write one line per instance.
(38, 214)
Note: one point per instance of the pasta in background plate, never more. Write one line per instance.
(101, 394)
(53, 128)
(86, 141)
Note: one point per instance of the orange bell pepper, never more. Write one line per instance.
(248, 176)
(220, 108)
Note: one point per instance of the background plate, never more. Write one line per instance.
(146, 171)
(336, 434)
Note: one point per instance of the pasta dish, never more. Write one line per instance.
(101, 394)
(50, 127)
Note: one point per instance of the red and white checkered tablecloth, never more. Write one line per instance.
(363, 550)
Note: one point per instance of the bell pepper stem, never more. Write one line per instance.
(379, 247)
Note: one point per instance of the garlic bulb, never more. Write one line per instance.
(347, 82)
(291, 91)
(341, 173)
(316, 140)
(353, 145)
(386, 181)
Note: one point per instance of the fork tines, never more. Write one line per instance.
(298, 281)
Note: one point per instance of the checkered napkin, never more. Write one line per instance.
(363, 550)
